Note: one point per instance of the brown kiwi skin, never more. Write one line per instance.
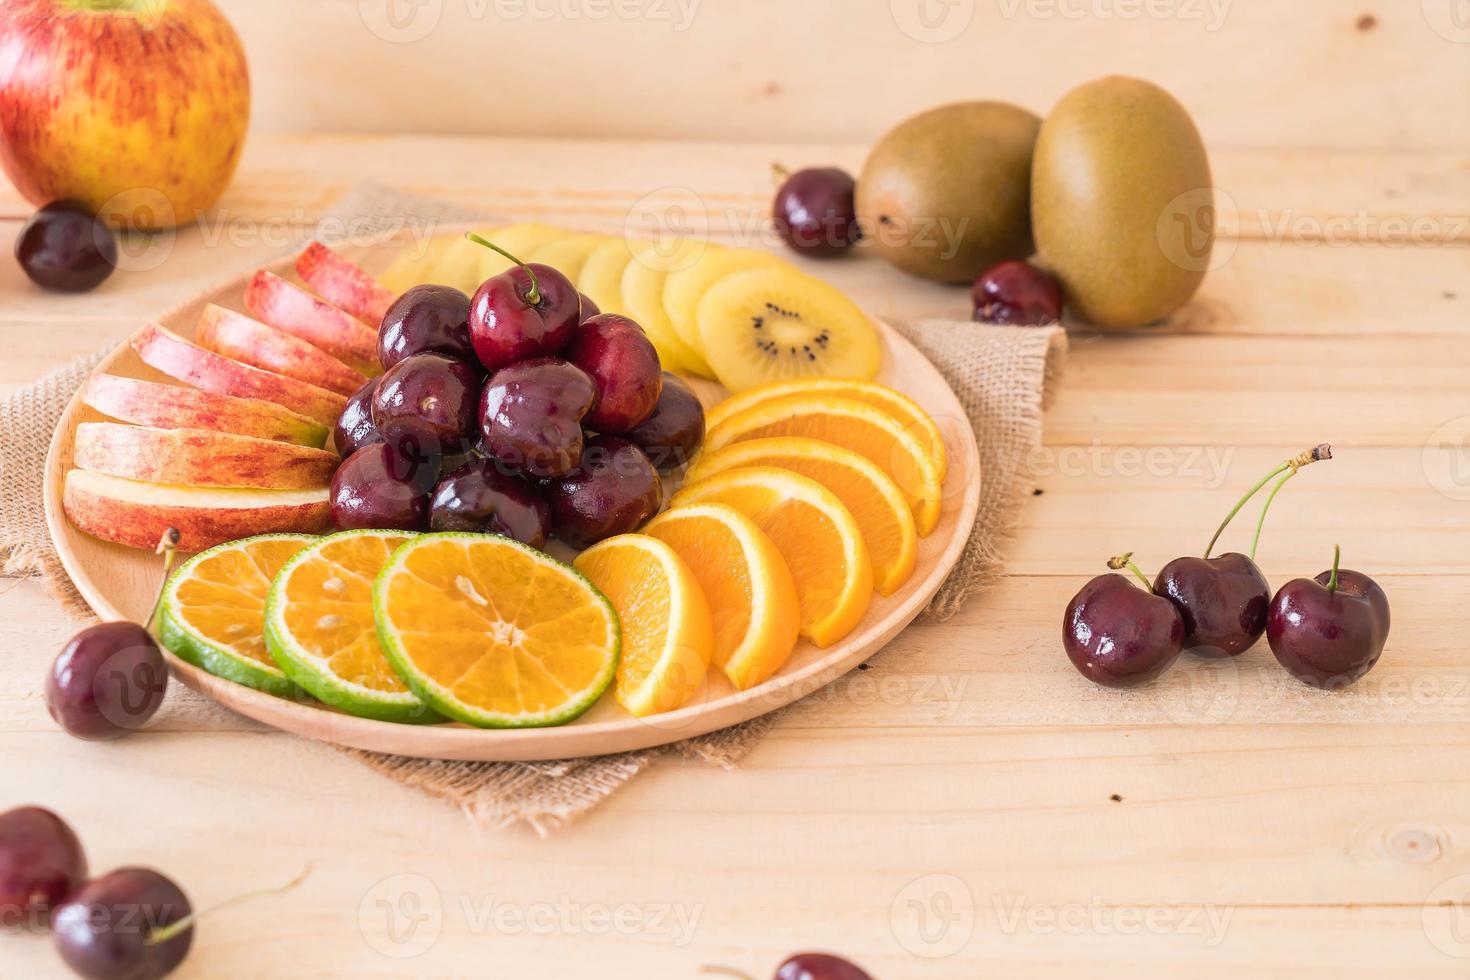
(957, 171)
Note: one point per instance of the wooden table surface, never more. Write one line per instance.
(968, 805)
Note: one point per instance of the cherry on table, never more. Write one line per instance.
(1224, 600)
(1330, 630)
(527, 311)
(531, 415)
(428, 319)
(622, 361)
(1119, 635)
(110, 679)
(672, 434)
(41, 863)
(1018, 294)
(481, 497)
(66, 248)
(820, 966)
(129, 924)
(815, 212)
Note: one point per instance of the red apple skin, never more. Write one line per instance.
(252, 342)
(166, 406)
(139, 112)
(286, 306)
(199, 458)
(165, 351)
(343, 284)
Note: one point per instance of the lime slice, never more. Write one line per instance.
(319, 627)
(494, 633)
(213, 611)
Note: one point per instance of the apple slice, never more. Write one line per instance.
(343, 284)
(166, 351)
(172, 407)
(288, 307)
(199, 458)
(252, 342)
(133, 513)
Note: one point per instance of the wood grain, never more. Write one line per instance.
(1328, 828)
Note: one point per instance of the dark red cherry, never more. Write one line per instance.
(613, 490)
(1222, 601)
(64, 247)
(41, 863)
(531, 415)
(385, 487)
(672, 434)
(107, 682)
(815, 212)
(1329, 631)
(481, 497)
(527, 311)
(355, 427)
(427, 319)
(1119, 635)
(1017, 293)
(820, 966)
(432, 399)
(589, 308)
(622, 361)
(113, 927)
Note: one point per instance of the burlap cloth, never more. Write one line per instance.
(1003, 376)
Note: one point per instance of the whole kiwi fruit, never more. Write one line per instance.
(947, 193)
(1122, 203)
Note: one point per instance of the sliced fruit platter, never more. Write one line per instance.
(515, 493)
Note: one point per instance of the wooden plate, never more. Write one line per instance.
(119, 583)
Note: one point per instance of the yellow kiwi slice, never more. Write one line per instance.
(643, 295)
(567, 255)
(686, 287)
(518, 240)
(458, 265)
(770, 324)
(412, 265)
(601, 277)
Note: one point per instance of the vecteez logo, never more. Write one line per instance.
(401, 21)
(932, 21)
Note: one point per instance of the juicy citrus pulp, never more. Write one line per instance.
(853, 425)
(895, 403)
(667, 634)
(815, 534)
(213, 611)
(494, 633)
(746, 583)
(319, 627)
(876, 503)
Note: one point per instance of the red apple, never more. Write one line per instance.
(137, 108)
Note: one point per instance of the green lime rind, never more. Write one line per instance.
(439, 697)
(313, 674)
(189, 646)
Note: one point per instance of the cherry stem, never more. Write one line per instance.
(1261, 521)
(1296, 462)
(534, 296)
(779, 174)
(1126, 561)
(1336, 557)
(167, 546)
(159, 936)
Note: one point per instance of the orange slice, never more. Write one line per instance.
(668, 637)
(494, 633)
(742, 576)
(895, 403)
(855, 425)
(319, 627)
(816, 535)
(213, 610)
(876, 503)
